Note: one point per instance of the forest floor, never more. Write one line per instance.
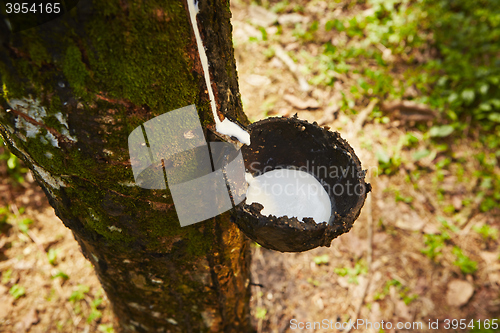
(424, 249)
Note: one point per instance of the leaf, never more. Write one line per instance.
(382, 157)
(495, 102)
(441, 131)
(329, 25)
(24, 224)
(260, 313)
(418, 155)
(79, 294)
(337, 24)
(52, 256)
(442, 81)
(6, 276)
(484, 88)
(106, 328)
(313, 282)
(341, 271)
(321, 260)
(467, 266)
(94, 314)
(468, 95)
(452, 98)
(17, 291)
(410, 139)
(95, 303)
(314, 26)
(494, 117)
(60, 274)
(12, 162)
(263, 32)
(485, 107)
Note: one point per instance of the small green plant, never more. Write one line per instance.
(447, 226)
(434, 243)
(4, 216)
(106, 328)
(313, 282)
(321, 260)
(269, 52)
(79, 293)
(385, 290)
(388, 164)
(403, 292)
(60, 325)
(6, 276)
(490, 202)
(52, 295)
(467, 266)
(17, 291)
(263, 32)
(399, 197)
(52, 256)
(256, 245)
(408, 298)
(280, 7)
(487, 232)
(334, 24)
(15, 167)
(24, 224)
(360, 268)
(341, 271)
(76, 296)
(60, 274)
(420, 154)
(410, 140)
(260, 313)
(95, 313)
(441, 131)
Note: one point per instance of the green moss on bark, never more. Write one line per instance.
(134, 65)
(75, 71)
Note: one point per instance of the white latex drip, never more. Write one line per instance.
(292, 193)
(225, 127)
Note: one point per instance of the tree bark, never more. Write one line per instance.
(72, 91)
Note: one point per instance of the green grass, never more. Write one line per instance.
(402, 290)
(17, 291)
(260, 313)
(52, 256)
(360, 268)
(322, 259)
(60, 274)
(6, 276)
(467, 266)
(487, 232)
(79, 293)
(445, 50)
(434, 243)
(95, 313)
(24, 224)
(105, 328)
(15, 167)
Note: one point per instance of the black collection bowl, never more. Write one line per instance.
(291, 143)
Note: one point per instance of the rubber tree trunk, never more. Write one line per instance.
(73, 90)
